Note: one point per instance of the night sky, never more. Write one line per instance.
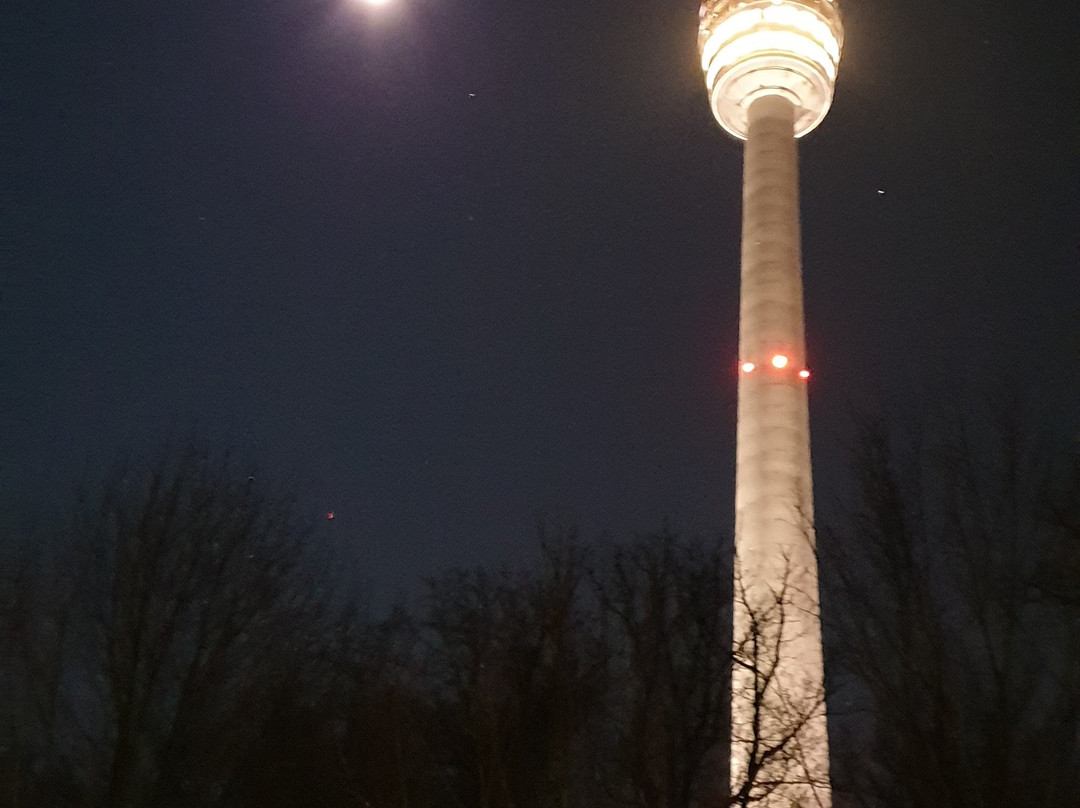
(448, 265)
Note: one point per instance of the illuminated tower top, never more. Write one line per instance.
(755, 48)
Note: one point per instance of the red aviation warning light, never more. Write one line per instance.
(778, 361)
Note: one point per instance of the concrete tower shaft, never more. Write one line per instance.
(776, 600)
(771, 299)
(773, 444)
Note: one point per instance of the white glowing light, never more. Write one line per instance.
(748, 366)
(789, 48)
(375, 2)
(779, 361)
(755, 42)
(770, 21)
(804, 374)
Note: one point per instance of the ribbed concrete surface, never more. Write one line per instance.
(774, 536)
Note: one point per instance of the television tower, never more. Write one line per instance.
(770, 67)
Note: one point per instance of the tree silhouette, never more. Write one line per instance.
(773, 760)
(174, 608)
(950, 614)
(668, 605)
(514, 669)
(167, 648)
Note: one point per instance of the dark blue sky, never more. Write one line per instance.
(459, 262)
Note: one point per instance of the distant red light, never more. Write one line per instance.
(330, 515)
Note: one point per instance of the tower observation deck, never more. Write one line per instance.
(786, 48)
(770, 67)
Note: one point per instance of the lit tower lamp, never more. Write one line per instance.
(770, 66)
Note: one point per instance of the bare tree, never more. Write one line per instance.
(668, 608)
(182, 607)
(776, 747)
(942, 617)
(515, 672)
(44, 635)
(349, 731)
